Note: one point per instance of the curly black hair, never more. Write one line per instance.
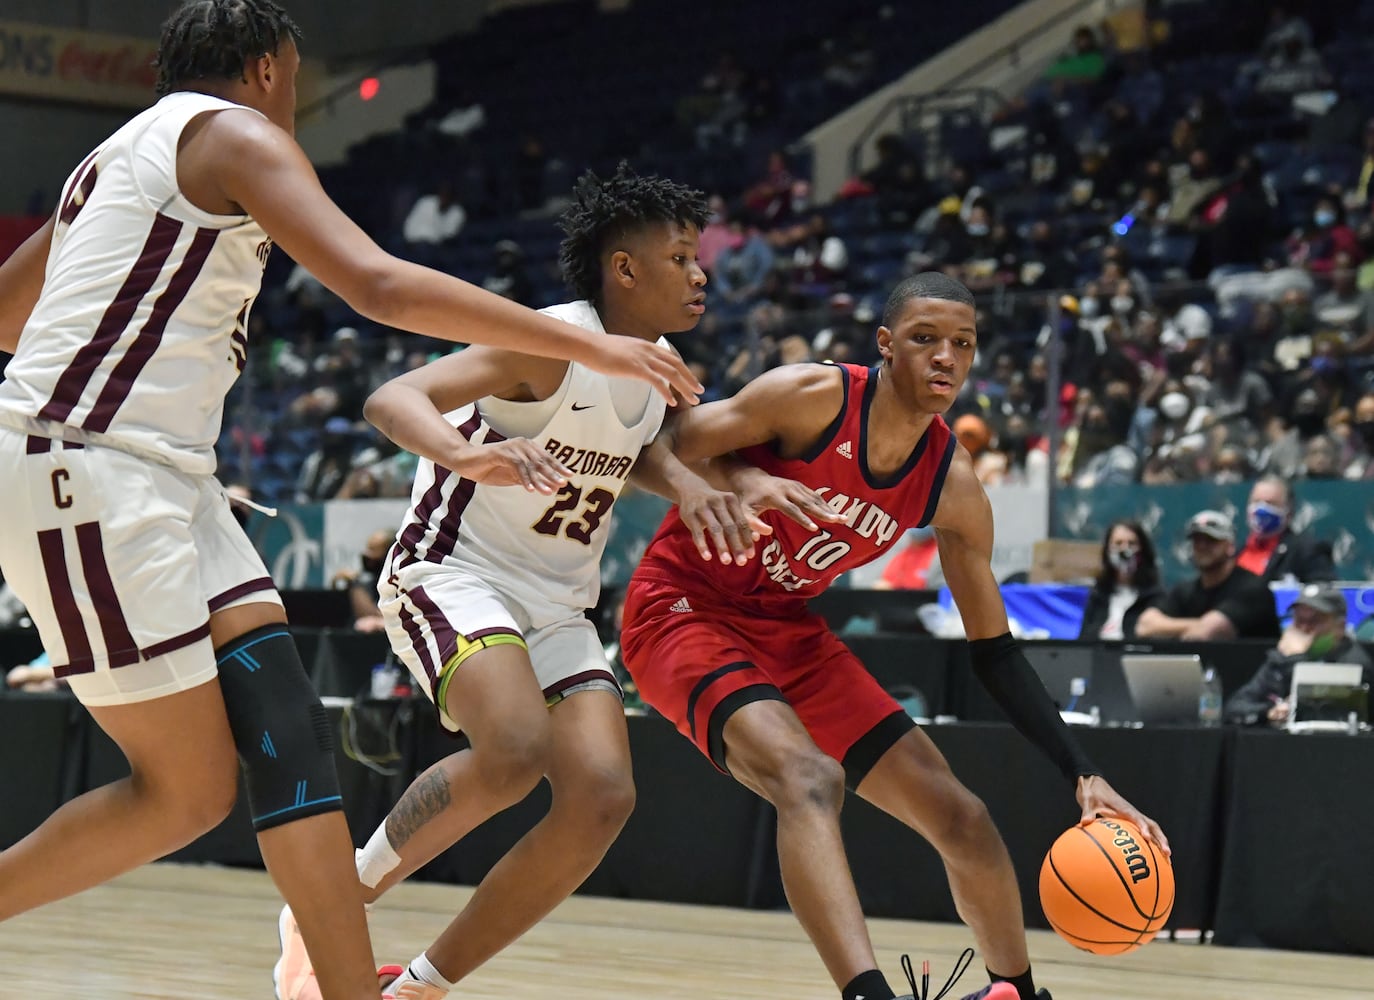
(213, 39)
(607, 210)
(926, 285)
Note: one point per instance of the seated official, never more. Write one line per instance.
(1317, 633)
(1126, 585)
(1222, 602)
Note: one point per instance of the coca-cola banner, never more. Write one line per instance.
(80, 66)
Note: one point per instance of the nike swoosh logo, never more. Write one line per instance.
(576, 407)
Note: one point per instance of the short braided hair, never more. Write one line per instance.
(213, 39)
(605, 210)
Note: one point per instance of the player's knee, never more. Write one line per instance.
(194, 792)
(282, 732)
(601, 800)
(196, 804)
(964, 826)
(510, 763)
(810, 780)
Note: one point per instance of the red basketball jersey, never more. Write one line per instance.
(794, 564)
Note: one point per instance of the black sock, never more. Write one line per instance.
(1025, 985)
(868, 985)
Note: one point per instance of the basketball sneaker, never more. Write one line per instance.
(293, 977)
(397, 985)
(993, 991)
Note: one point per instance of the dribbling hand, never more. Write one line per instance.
(514, 462)
(1098, 798)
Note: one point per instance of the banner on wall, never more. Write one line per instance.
(307, 544)
(1340, 512)
(81, 66)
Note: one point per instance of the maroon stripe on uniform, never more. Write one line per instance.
(140, 352)
(445, 638)
(141, 278)
(242, 590)
(424, 510)
(119, 643)
(446, 534)
(177, 641)
(417, 642)
(63, 600)
(87, 181)
(37, 445)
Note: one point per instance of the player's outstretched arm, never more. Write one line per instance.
(964, 529)
(791, 405)
(260, 168)
(21, 281)
(410, 410)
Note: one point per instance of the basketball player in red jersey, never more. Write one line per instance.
(730, 654)
(127, 316)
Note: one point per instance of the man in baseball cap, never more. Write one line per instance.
(1316, 633)
(1222, 602)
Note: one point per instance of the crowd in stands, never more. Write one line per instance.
(1183, 215)
(1178, 211)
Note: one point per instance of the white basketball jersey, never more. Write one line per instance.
(141, 327)
(541, 550)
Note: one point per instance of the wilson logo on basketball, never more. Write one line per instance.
(1136, 864)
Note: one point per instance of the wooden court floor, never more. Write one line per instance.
(171, 931)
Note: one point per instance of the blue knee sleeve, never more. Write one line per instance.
(280, 729)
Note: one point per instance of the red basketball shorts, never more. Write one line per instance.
(697, 663)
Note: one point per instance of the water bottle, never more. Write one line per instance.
(1209, 702)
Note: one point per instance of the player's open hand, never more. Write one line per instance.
(720, 523)
(514, 462)
(759, 492)
(1099, 799)
(659, 366)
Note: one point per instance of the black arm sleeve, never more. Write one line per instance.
(1006, 673)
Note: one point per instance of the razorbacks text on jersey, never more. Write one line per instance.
(544, 551)
(795, 564)
(141, 327)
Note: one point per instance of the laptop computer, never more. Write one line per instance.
(1058, 667)
(1164, 689)
(1323, 695)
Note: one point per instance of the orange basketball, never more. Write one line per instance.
(1106, 889)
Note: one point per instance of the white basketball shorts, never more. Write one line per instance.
(120, 562)
(436, 615)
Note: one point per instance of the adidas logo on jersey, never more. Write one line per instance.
(845, 450)
(680, 606)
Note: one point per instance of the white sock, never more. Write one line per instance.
(422, 970)
(376, 860)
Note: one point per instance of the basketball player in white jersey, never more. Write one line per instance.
(126, 315)
(485, 589)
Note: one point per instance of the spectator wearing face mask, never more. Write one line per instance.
(1274, 550)
(1127, 584)
(1317, 246)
